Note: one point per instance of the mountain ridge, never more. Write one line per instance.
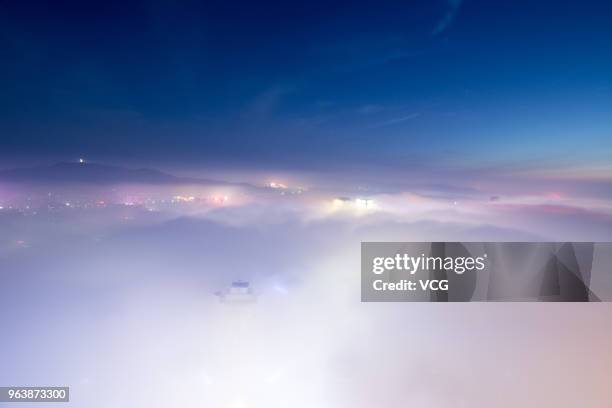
(97, 173)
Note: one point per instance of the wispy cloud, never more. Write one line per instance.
(395, 121)
(448, 18)
(267, 101)
(368, 109)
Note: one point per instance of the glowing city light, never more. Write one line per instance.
(183, 199)
(364, 203)
(357, 206)
(219, 199)
(340, 201)
(276, 185)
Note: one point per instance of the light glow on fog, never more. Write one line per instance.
(131, 315)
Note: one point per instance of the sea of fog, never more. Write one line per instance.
(119, 304)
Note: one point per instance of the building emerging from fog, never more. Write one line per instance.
(239, 292)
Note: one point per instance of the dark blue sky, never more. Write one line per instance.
(307, 85)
